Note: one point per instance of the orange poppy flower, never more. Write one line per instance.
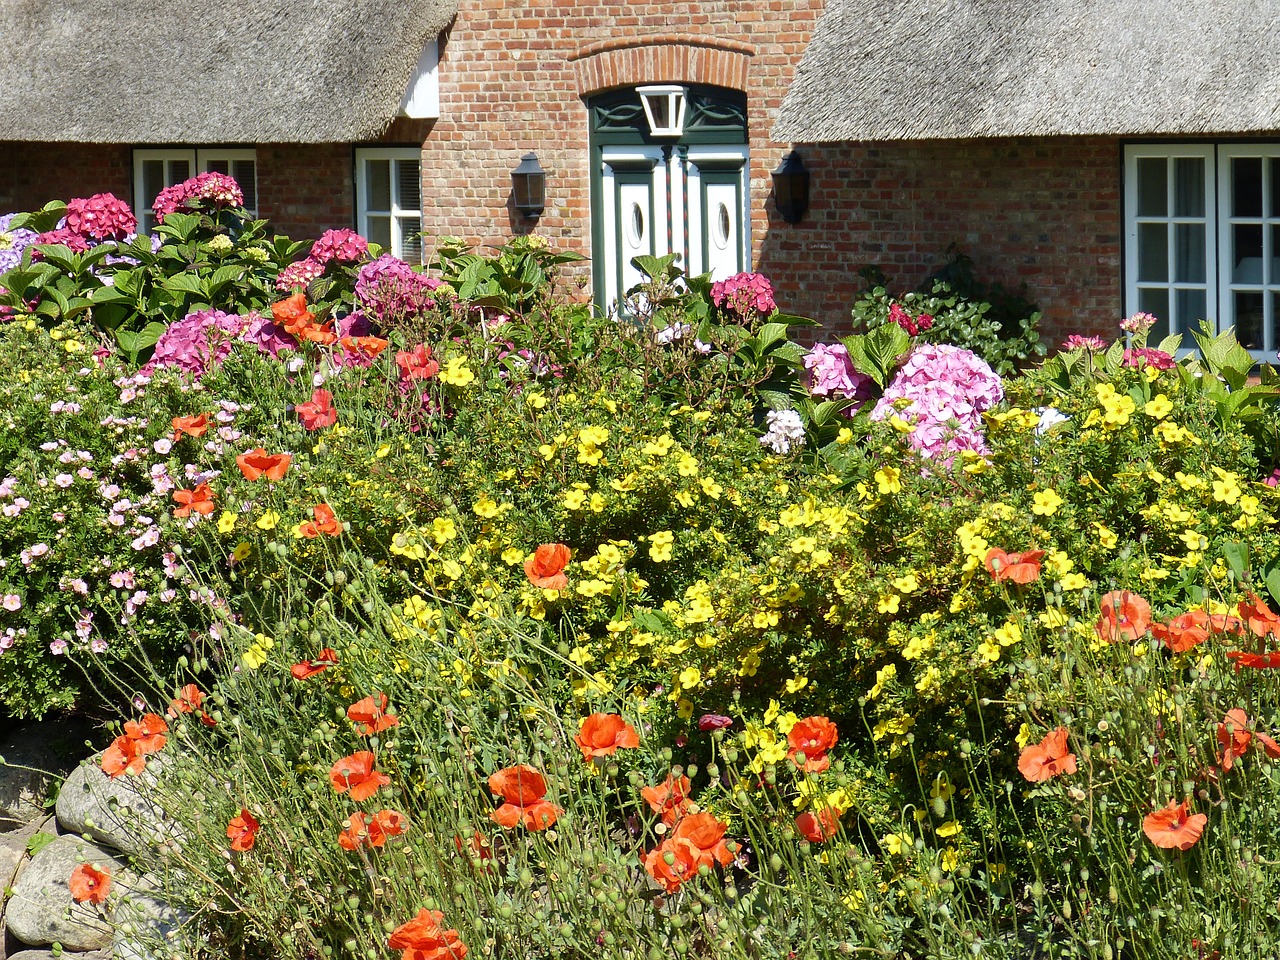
(325, 659)
(603, 733)
(1254, 661)
(819, 827)
(292, 313)
(1021, 568)
(545, 568)
(417, 364)
(199, 500)
(89, 884)
(188, 700)
(242, 831)
(370, 715)
(669, 799)
(363, 829)
(1172, 827)
(523, 791)
(812, 736)
(1258, 617)
(1125, 616)
(192, 426)
(1269, 746)
(706, 833)
(685, 857)
(1233, 737)
(148, 733)
(123, 756)
(367, 347)
(423, 938)
(1048, 758)
(318, 333)
(356, 773)
(1183, 632)
(325, 522)
(258, 463)
(318, 412)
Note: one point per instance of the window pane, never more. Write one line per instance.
(1153, 194)
(1248, 318)
(1191, 306)
(1274, 168)
(152, 180)
(1188, 187)
(410, 241)
(378, 230)
(179, 170)
(1153, 251)
(1246, 253)
(378, 180)
(246, 174)
(1188, 254)
(1246, 187)
(1156, 303)
(408, 185)
(219, 166)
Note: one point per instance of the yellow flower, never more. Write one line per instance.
(1158, 407)
(888, 603)
(1008, 634)
(660, 546)
(575, 500)
(948, 829)
(659, 447)
(241, 552)
(895, 843)
(443, 530)
(267, 521)
(581, 656)
(690, 677)
(226, 522)
(1074, 581)
(889, 480)
(1195, 540)
(711, 488)
(1226, 489)
(902, 426)
(886, 673)
(907, 584)
(1046, 502)
(989, 650)
(546, 450)
(845, 436)
(687, 466)
(457, 373)
(796, 684)
(485, 508)
(383, 451)
(1106, 538)
(536, 399)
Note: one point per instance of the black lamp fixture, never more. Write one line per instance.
(529, 186)
(791, 188)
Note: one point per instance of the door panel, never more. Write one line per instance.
(722, 226)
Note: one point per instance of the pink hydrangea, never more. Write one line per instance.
(68, 238)
(389, 287)
(268, 336)
(299, 274)
(211, 189)
(103, 216)
(1077, 342)
(198, 341)
(831, 372)
(1148, 356)
(747, 295)
(345, 246)
(945, 390)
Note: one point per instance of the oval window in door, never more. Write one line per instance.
(723, 225)
(635, 226)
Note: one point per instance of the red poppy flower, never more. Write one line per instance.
(1258, 617)
(364, 347)
(242, 831)
(685, 857)
(1125, 616)
(188, 700)
(292, 314)
(363, 829)
(148, 733)
(325, 659)
(603, 733)
(1183, 632)
(1269, 746)
(812, 736)
(199, 500)
(89, 884)
(325, 522)
(423, 938)
(123, 756)
(370, 715)
(706, 833)
(819, 827)
(523, 791)
(1172, 827)
(319, 412)
(192, 426)
(545, 568)
(417, 364)
(356, 773)
(1233, 737)
(1022, 568)
(1048, 758)
(258, 463)
(318, 333)
(669, 799)
(1255, 661)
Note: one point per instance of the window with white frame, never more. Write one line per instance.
(155, 169)
(389, 199)
(1202, 231)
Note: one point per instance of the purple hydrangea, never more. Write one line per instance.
(831, 373)
(389, 287)
(946, 389)
(268, 336)
(13, 240)
(198, 341)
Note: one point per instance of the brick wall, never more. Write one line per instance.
(1044, 212)
(306, 189)
(32, 174)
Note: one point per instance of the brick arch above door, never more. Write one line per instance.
(665, 58)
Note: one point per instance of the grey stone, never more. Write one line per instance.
(50, 955)
(115, 812)
(31, 766)
(41, 911)
(13, 851)
(146, 928)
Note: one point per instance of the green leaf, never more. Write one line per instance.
(1272, 581)
(185, 282)
(1237, 556)
(1170, 344)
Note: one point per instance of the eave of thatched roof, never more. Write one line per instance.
(210, 71)
(946, 69)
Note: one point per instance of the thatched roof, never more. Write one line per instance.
(922, 69)
(209, 71)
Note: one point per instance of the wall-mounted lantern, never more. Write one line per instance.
(791, 188)
(664, 108)
(529, 186)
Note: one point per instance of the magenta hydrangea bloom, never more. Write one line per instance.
(747, 295)
(268, 336)
(103, 216)
(212, 189)
(389, 287)
(1148, 356)
(946, 390)
(299, 274)
(1077, 342)
(831, 373)
(913, 325)
(198, 341)
(73, 241)
(345, 246)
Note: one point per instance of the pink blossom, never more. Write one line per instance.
(101, 217)
(1148, 356)
(345, 246)
(1138, 323)
(1077, 342)
(268, 336)
(197, 341)
(299, 274)
(204, 190)
(749, 295)
(831, 372)
(11, 602)
(913, 326)
(58, 647)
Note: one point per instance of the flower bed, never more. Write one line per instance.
(499, 624)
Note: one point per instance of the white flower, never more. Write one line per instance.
(786, 430)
